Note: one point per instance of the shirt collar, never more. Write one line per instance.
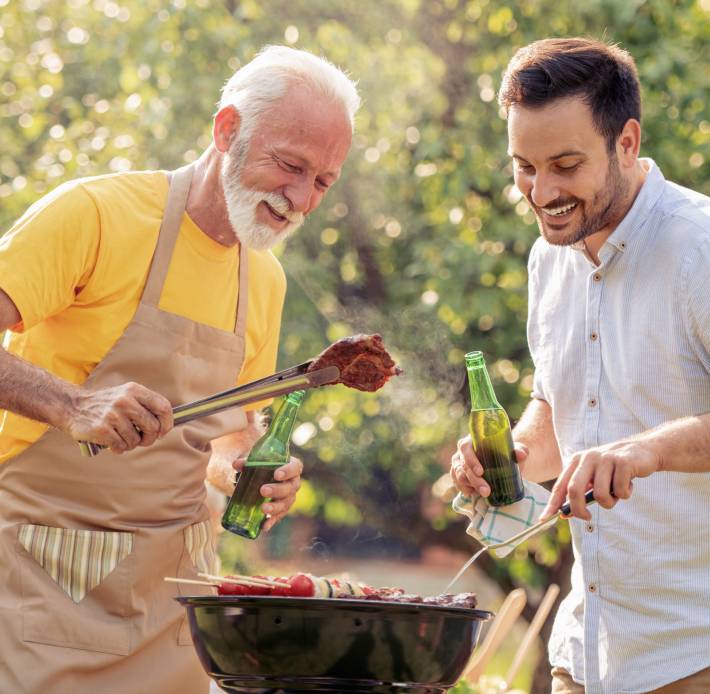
(630, 226)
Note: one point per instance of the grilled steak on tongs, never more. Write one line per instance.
(363, 361)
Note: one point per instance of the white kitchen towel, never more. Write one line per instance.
(493, 524)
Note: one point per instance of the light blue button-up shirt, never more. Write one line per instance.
(620, 348)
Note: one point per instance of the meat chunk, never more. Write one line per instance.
(467, 600)
(363, 361)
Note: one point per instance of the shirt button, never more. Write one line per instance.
(593, 336)
(592, 402)
(590, 528)
(597, 276)
(592, 587)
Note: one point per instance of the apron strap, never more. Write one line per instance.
(240, 325)
(169, 230)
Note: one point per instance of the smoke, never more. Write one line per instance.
(420, 344)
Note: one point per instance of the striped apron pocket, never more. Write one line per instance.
(77, 560)
(200, 547)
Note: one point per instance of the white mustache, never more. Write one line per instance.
(281, 206)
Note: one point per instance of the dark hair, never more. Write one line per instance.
(603, 75)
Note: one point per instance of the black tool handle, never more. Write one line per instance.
(566, 509)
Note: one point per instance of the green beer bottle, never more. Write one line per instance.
(243, 514)
(491, 437)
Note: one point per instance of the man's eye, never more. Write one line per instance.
(292, 168)
(525, 167)
(322, 184)
(570, 167)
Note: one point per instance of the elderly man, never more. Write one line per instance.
(619, 331)
(123, 294)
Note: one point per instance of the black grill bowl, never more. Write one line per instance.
(263, 644)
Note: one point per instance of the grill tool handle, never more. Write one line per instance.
(566, 509)
(263, 389)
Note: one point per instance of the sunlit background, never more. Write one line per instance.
(424, 239)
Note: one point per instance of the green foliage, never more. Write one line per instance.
(424, 239)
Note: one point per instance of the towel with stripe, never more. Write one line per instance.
(493, 524)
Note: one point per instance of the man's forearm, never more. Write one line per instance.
(682, 445)
(32, 392)
(536, 431)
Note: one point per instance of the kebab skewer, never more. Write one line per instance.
(304, 585)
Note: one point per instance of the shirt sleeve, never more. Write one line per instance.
(696, 277)
(538, 389)
(263, 361)
(49, 254)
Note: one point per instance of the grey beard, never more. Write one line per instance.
(242, 202)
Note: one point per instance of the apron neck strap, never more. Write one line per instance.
(240, 325)
(169, 230)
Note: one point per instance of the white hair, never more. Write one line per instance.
(258, 84)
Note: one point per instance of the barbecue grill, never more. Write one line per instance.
(284, 645)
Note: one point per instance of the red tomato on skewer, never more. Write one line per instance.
(229, 588)
(301, 586)
(232, 589)
(284, 590)
(259, 590)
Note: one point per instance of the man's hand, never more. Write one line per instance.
(282, 492)
(608, 470)
(120, 418)
(467, 471)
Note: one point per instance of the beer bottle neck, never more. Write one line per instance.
(274, 444)
(282, 424)
(483, 396)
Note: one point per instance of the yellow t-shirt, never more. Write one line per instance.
(75, 266)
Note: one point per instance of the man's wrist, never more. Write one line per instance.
(62, 409)
(655, 450)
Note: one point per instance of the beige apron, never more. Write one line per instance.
(85, 542)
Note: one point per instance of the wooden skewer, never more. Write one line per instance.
(170, 579)
(507, 615)
(246, 580)
(532, 632)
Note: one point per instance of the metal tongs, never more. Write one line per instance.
(280, 383)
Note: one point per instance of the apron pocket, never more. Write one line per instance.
(84, 604)
(199, 544)
(200, 548)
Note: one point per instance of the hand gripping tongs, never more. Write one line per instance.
(280, 383)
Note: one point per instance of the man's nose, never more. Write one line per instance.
(301, 195)
(544, 190)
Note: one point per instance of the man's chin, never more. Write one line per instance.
(257, 243)
(559, 234)
(264, 238)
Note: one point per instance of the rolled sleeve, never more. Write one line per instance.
(49, 253)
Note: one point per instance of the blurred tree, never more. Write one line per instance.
(425, 238)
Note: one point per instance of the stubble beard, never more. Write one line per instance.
(604, 210)
(242, 202)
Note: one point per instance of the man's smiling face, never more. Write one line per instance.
(273, 180)
(564, 169)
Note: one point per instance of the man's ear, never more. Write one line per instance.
(629, 143)
(226, 127)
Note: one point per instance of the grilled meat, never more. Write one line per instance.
(363, 361)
